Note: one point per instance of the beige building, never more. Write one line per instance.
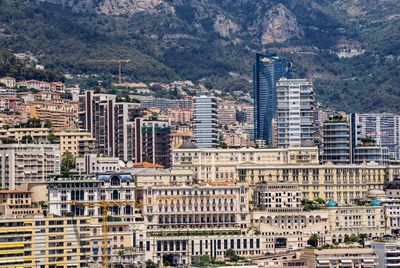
(341, 257)
(38, 241)
(16, 202)
(290, 228)
(220, 164)
(211, 206)
(21, 163)
(76, 142)
(178, 138)
(120, 238)
(276, 195)
(368, 220)
(342, 183)
(10, 82)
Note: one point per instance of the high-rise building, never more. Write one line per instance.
(336, 141)
(268, 69)
(153, 142)
(109, 122)
(384, 129)
(205, 122)
(295, 112)
(340, 137)
(96, 115)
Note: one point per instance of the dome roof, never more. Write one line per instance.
(331, 204)
(393, 185)
(376, 193)
(187, 145)
(376, 203)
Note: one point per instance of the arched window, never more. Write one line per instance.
(115, 181)
(115, 195)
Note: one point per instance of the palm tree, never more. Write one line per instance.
(121, 255)
(313, 241)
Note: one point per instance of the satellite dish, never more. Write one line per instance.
(121, 163)
(129, 164)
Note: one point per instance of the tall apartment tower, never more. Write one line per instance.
(110, 122)
(96, 115)
(267, 70)
(205, 122)
(384, 129)
(340, 137)
(295, 112)
(336, 141)
(120, 131)
(153, 142)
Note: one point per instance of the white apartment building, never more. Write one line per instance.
(295, 112)
(211, 206)
(184, 247)
(388, 253)
(113, 187)
(277, 195)
(205, 122)
(185, 222)
(93, 164)
(20, 163)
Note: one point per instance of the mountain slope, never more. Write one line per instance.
(216, 40)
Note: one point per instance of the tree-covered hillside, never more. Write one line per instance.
(216, 40)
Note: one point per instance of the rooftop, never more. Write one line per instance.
(14, 192)
(147, 165)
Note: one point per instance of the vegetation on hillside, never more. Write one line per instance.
(163, 48)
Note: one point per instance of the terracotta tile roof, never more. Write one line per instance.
(147, 165)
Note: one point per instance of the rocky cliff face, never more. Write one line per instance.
(230, 19)
(123, 7)
(279, 25)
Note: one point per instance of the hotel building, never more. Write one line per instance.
(221, 164)
(118, 187)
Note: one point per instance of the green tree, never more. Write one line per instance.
(150, 264)
(67, 162)
(230, 254)
(313, 241)
(27, 139)
(320, 200)
(121, 255)
(51, 137)
(204, 260)
(362, 238)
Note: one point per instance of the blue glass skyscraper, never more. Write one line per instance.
(266, 73)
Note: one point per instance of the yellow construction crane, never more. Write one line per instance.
(119, 61)
(105, 205)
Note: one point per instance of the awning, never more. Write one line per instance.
(346, 261)
(368, 260)
(323, 261)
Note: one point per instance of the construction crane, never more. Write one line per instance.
(105, 205)
(119, 61)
